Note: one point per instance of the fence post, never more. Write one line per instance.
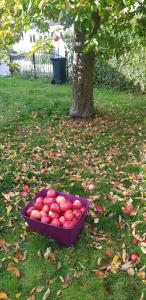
(34, 65)
(66, 56)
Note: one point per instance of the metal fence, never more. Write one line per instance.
(39, 64)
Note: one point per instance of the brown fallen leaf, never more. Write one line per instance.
(3, 296)
(77, 274)
(14, 271)
(47, 294)
(100, 274)
(2, 243)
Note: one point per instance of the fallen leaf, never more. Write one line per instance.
(77, 274)
(47, 253)
(61, 279)
(18, 295)
(39, 289)
(131, 272)
(2, 243)
(143, 247)
(31, 297)
(141, 274)
(126, 266)
(59, 292)
(115, 264)
(14, 271)
(124, 255)
(3, 296)
(142, 296)
(9, 208)
(59, 265)
(100, 274)
(96, 220)
(47, 294)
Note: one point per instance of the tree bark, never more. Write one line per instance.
(82, 82)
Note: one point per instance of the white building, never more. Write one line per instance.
(32, 35)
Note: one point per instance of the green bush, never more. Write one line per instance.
(124, 73)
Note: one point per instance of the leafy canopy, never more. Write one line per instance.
(18, 15)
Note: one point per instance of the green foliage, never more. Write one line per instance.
(126, 72)
(13, 68)
(45, 46)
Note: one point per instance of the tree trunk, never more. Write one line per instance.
(82, 85)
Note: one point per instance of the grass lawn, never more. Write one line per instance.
(41, 145)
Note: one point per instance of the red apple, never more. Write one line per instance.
(68, 215)
(25, 188)
(38, 206)
(125, 211)
(29, 210)
(70, 205)
(64, 206)
(82, 210)
(60, 199)
(68, 225)
(51, 194)
(43, 213)
(134, 257)
(135, 241)
(24, 194)
(53, 215)
(45, 208)
(48, 201)
(62, 220)
(74, 220)
(55, 222)
(77, 204)
(55, 207)
(45, 219)
(100, 210)
(130, 207)
(39, 200)
(35, 215)
(77, 213)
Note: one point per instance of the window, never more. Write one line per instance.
(32, 38)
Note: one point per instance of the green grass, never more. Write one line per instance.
(106, 151)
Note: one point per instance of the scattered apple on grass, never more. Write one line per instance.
(134, 257)
(100, 210)
(56, 210)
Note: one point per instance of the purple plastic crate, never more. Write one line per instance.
(65, 237)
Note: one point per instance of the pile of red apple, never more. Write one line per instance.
(56, 210)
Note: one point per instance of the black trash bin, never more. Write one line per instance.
(59, 70)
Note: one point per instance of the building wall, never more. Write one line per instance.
(32, 35)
